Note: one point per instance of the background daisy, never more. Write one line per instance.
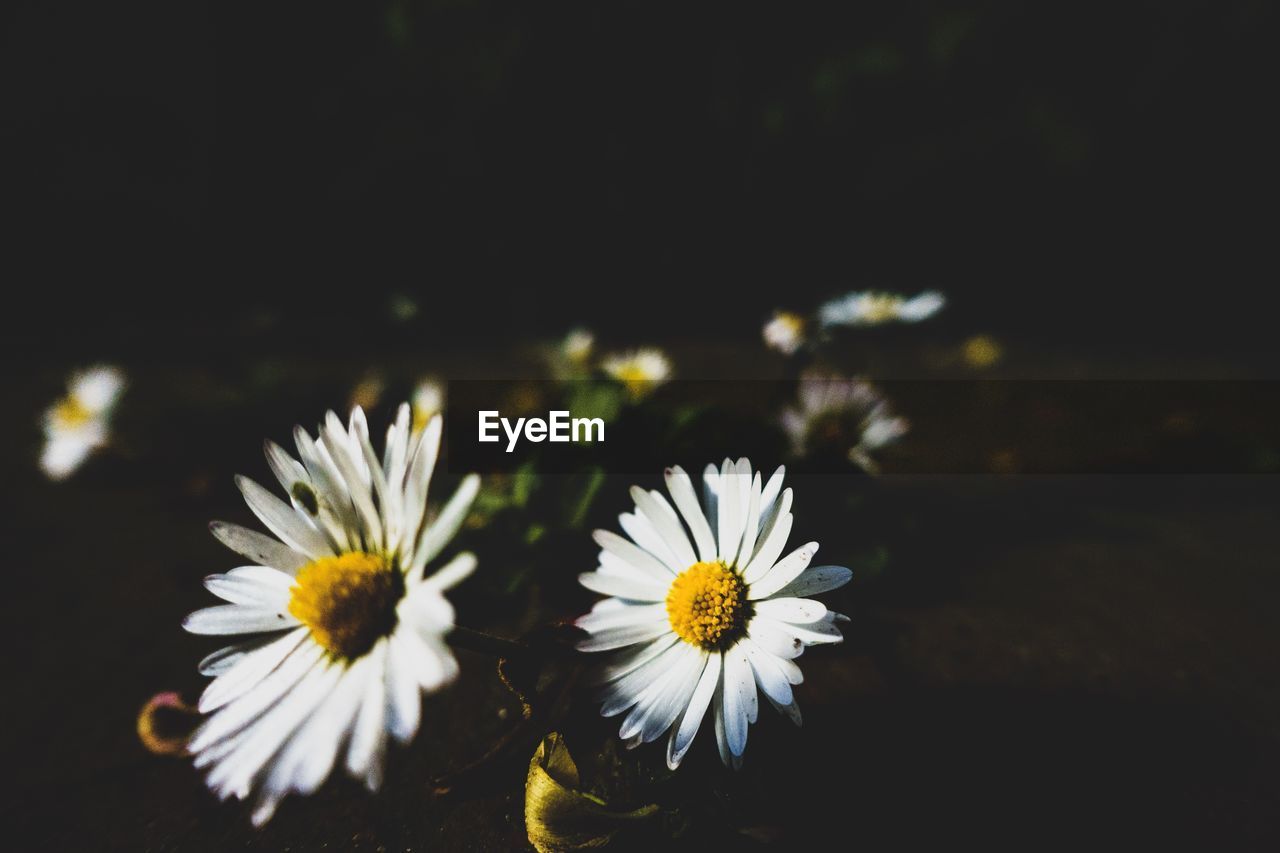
(849, 416)
(872, 308)
(80, 422)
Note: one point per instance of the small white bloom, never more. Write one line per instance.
(872, 308)
(641, 371)
(80, 422)
(577, 345)
(347, 629)
(785, 332)
(708, 618)
(427, 401)
(849, 411)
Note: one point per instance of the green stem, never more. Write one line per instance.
(478, 641)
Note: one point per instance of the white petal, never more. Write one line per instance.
(308, 758)
(337, 515)
(751, 530)
(216, 663)
(64, 453)
(337, 441)
(722, 741)
(769, 498)
(632, 555)
(442, 530)
(249, 671)
(789, 670)
(404, 698)
(737, 672)
(769, 675)
(239, 713)
(282, 520)
(268, 734)
(682, 735)
(258, 547)
(623, 587)
(686, 501)
(453, 572)
(800, 611)
(623, 693)
(642, 532)
(395, 459)
(817, 579)
(747, 685)
(238, 619)
(424, 451)
(783, 573)
(674, 698)
(731, 514)
(818, 633)
(774, 639)
(427, 610)
(430, 663)
(616, 638)
(664, 520)
(258, 585)
(774, 541)
(711, 493)
(368, 738)
(626, 661)
(288, 470)
(623, 616)
(612, 564)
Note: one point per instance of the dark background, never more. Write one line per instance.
(227, 200)
(1069, 172)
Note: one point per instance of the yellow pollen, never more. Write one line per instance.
(636, 379)
(881, 307)
(348, 601)
(707, 605)
(70, 413)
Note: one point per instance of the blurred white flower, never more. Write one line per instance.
(427, 401)
(785, 332)
(848, 413)
(577, 345)
(641, 371)
(339, 629)
(872, 308)
(80, 422)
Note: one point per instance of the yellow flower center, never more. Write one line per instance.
(636, 379)
(348, 601)
(71, 413)
(707, 605)
(793, 323)
(881, 307)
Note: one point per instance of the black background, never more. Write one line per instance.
(1077, 173)
(227, 199)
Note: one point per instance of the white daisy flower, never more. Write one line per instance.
(713, 620)
(348, 630)
(872, 308)
(427, 401)
(80, 422)
(785, 332)
(641, 371)
(848, 412)
(577, 345)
